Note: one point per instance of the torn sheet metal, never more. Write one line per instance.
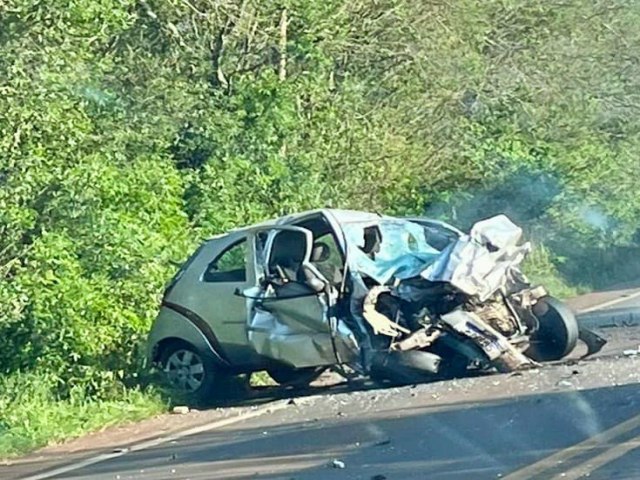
(355, 320)
(417, 340)
(379, 322)
(478, 264)
(592, 340)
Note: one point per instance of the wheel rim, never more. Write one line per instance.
(185, 370)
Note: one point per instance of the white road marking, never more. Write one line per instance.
(608, 456)
(536, 470)
(272, 407)
(610, 303)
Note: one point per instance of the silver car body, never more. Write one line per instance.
(301, 291)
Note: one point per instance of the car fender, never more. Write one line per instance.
(174, 324)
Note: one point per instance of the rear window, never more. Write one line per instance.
(229, 266)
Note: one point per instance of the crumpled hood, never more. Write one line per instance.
(479, 263)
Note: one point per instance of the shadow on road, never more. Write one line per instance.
(259, 395)
(480, 440)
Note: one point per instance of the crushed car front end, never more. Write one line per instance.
(441, 309)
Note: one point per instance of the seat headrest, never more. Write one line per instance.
(289, 247)
(320, 252)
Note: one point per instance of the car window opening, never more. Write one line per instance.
(229, 266)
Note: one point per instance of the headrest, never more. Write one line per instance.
(320, 252)
(288, 246)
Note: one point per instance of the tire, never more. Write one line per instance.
(189, 374)
(557, 335)
(295, 377)
(454, 366)
(411, 366)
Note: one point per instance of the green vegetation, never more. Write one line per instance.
(34, 419)
(130, 130)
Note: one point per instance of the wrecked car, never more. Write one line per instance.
(401, 299)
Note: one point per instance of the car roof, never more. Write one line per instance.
(339, 216)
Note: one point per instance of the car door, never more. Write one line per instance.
(290, 317)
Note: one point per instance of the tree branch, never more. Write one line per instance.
(282, 70)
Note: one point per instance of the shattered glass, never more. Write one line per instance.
(401, 252)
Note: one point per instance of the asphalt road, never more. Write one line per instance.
(490, 427)
(571, 420)
(619, 314)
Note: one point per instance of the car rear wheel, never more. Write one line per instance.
(558, 332)
(189, 373)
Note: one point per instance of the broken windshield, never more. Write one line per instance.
(388, 248)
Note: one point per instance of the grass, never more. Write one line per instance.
(261, 379)
(30, 417)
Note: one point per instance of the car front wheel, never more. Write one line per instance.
(189, 374)
(558, 331)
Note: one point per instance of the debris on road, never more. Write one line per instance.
(382, 443)
(338, 464)
(564, 383)
(180, 410)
